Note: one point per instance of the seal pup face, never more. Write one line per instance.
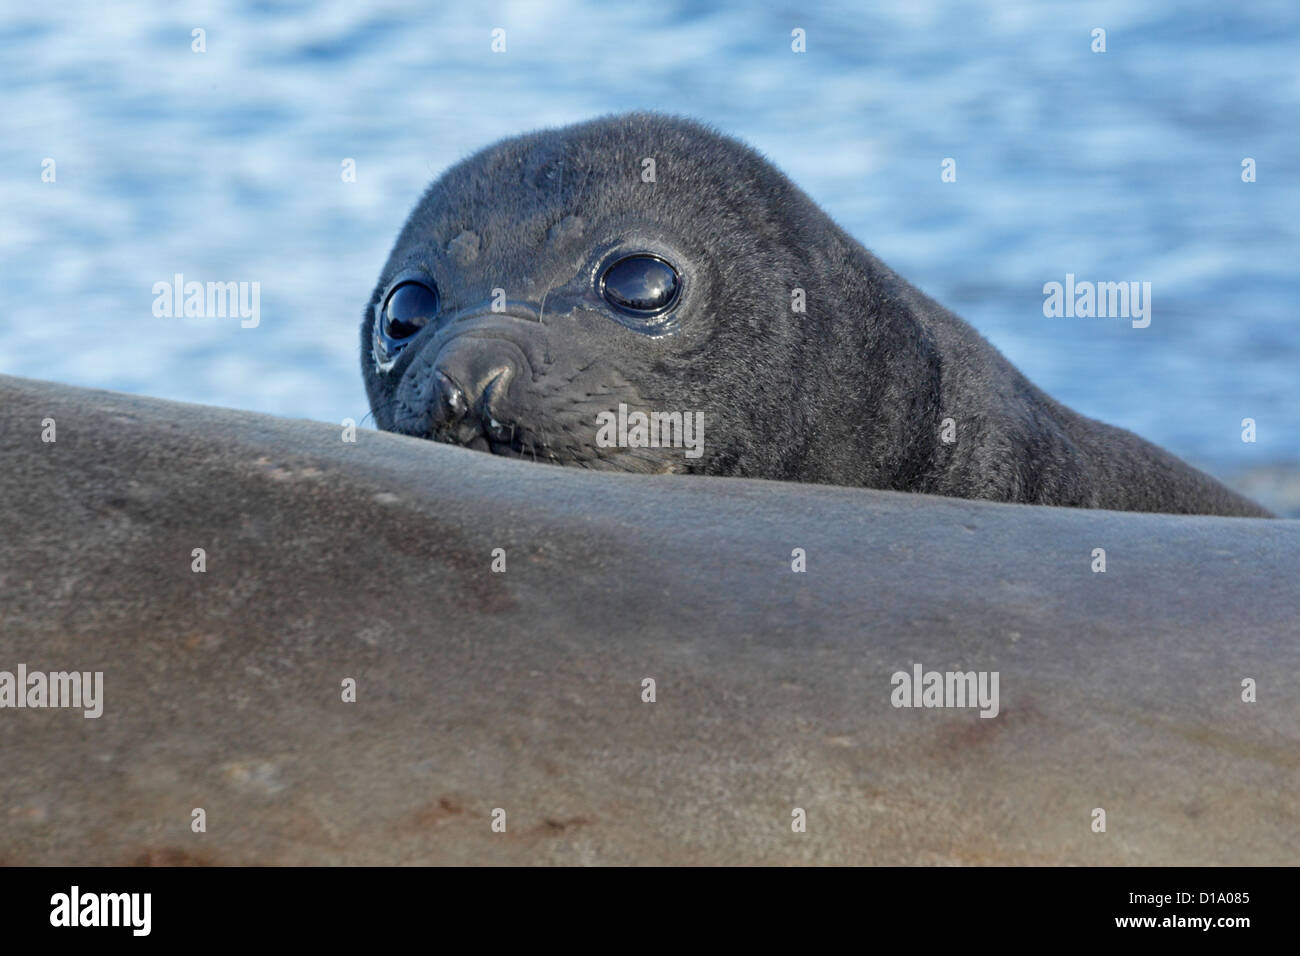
(640, 260)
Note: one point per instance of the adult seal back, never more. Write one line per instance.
(646, 267)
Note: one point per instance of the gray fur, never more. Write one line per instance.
(852, 392)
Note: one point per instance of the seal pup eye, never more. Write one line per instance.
(410, 307)
(640, 284)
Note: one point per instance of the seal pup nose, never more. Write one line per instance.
(471, 379)
(465, 414)
(459, 393)
(449, 400)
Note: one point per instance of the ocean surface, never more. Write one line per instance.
(225, 166)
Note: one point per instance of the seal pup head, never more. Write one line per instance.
(639, 260)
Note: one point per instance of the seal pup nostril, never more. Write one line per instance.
(498, 382)
(451, 405)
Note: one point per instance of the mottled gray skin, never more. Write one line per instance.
(522, 690)
(852, 392)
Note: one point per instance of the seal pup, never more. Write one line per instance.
(647, 264)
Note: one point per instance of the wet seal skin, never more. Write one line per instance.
(523, 690)
(649, 261)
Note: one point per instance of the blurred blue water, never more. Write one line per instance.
(225, 166)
